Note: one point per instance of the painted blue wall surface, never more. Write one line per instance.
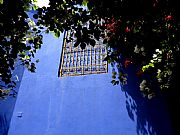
(83, 105)
(7, 104)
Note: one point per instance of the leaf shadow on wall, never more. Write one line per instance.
(151, 115)
(7, 104)
(4, 126)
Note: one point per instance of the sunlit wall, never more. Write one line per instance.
(83, 105)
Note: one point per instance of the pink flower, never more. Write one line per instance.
(167, 18)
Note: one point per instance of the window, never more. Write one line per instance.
(76, 61)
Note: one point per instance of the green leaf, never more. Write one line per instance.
(85, 2)
(57, 34)
(147, 66)
(26, 57)
(35, 7)
(1, 1)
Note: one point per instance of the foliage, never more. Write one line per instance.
(140, 33)
(147, 37)
(1, 1)
(19, 38)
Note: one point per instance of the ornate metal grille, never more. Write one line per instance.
(75, 61)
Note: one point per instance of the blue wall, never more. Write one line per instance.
(7, 104)
(83, 105)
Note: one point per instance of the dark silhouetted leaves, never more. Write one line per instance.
(35, 16)
(104, 41)
(83, 45)
(92, 42)
(76, 44)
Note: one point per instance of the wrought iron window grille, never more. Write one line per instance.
(76, 61)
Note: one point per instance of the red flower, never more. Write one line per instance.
(167, 18)
(111, 27)
(127, 63)
(139, 73)
(127, 29)
(112, 20)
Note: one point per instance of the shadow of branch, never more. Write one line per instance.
(151, 115)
